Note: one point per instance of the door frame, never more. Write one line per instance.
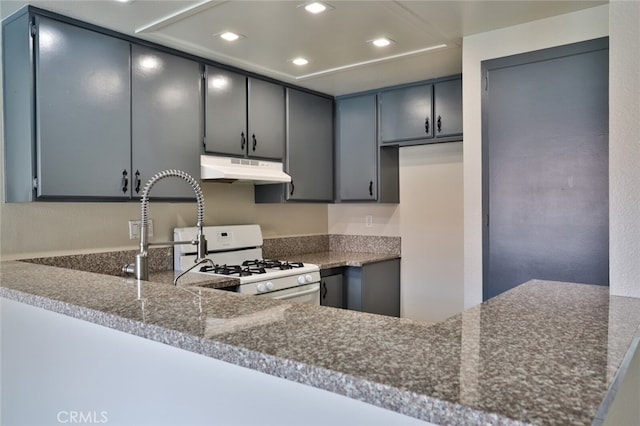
(486, 67)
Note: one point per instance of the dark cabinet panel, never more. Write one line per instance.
(167, 125)
(357, 146)
(309, 152)
(374, 288)
(448, 108)
(331, 291)
(82, 112)
(406, 113)
(266, 119)
(226, 112)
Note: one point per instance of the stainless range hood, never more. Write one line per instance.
(229, 169)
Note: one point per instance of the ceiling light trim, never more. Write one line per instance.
(369, 62)
(179, 15)
(309, 7)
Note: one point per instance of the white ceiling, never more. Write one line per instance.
(335, 42)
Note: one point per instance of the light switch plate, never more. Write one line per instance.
(134, 229)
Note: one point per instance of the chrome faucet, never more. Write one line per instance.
(141, 266)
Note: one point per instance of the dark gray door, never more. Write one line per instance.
(331, 291)
(357, 145)
(167, 120)
(266, 119)
(226, 112)
(545, 147)
(310, 147)
(83, 112)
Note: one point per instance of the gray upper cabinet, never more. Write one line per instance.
(266, 119)
(168, 115)
(82, 112)
(244, 116)
(357, 145)
(310, 147)
(365, 170)
(309, 152)
(448, 108)
(406, 113)
(226, 112)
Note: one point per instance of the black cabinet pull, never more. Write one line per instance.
(426, 125)
(293, 188)
(255, 142)
(439, 124)
(243, 141)
(138, 181)
(125, 181)
(371, 188)
(324, 289)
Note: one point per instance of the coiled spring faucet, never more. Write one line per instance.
(141, 266)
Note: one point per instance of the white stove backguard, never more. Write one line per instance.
(222, 242)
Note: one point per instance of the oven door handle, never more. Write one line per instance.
(297, 294)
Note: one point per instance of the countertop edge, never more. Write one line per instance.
(618, 377)
(385, 396)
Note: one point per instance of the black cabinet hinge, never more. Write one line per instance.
(33, 29)
(35, 183)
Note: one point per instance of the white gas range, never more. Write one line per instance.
(236, 251)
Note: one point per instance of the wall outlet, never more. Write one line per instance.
(368, 221)
(134, 229)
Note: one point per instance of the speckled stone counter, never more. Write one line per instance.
(543, 353)
(336, 259)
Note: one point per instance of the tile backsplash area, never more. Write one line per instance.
(161, 258)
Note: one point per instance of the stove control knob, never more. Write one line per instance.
(308, 278)
(261, 288)
(301, 279)
(269, 285)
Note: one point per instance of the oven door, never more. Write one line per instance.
(308, 293)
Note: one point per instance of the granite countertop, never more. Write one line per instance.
(193, 278)
(542, 353)
(335, 259)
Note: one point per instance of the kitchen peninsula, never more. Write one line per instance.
(542, 353)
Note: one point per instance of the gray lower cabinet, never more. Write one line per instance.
(374, 287)
(331, 290)
(448, 108)
(245, 116)
(168, 115)
(309, 151)
(406, 113)
(82, 118)
(365, 172)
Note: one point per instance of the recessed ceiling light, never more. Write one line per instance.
(316, 7)
(230, 36)
(125, 1)
(381, 42)
(300, 61)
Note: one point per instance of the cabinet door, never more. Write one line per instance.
(406, 114)
(226, 112)
(310, 147)
(357, 145)
(167, 120)
(448, 108)
(331, 291)
(82, 112)
(266, 119)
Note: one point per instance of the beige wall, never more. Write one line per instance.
(429, 219)
(555, 31)
(624, 148)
